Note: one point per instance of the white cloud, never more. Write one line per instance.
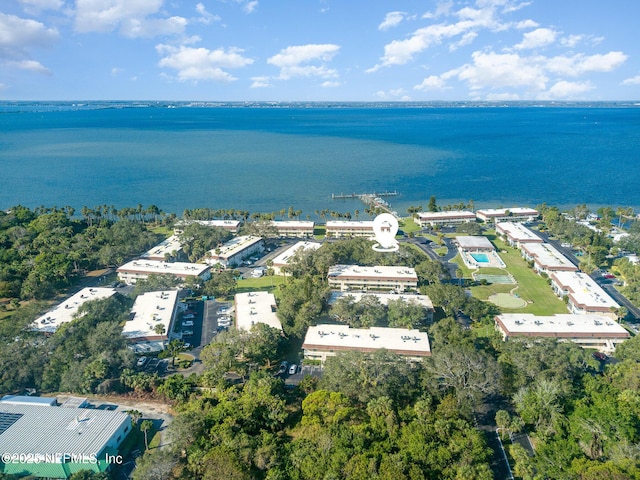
(294, 61)
(260, 82)
(494, 70)
(330, 84)
(130, 16)
(39, 5)
(493, 73)
(466, 39)
(470, 20)
(29, 65)
(202, 64)
(149, 28)
(398, 94)
(540, 37)
(572, 40)
(205, 17)
(566, 90)
(525, 24)
(632, 81)
(580, 64)
(392, 19)
(115, 71)
(18, 36)
(433, 82)
(250, 7)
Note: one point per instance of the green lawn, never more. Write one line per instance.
(266, 283)
(531, 287)
(319, 232)
(407, 225)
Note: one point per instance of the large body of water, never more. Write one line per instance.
(266, 158)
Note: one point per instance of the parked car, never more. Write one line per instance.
(293, 369)
(142, 361)
(188, 323)
(188, 317)
(600, 356)
(187, 333)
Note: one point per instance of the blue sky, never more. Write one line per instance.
(319, 50)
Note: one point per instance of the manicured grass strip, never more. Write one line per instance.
(531, 286)
(266, 283)
(407, 225)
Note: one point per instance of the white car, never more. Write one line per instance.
(188, 323)
(142, 361)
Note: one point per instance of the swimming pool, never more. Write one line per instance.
(480, 257)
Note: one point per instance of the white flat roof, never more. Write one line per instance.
(445, 215)
(41, 431)
(341, 337)
(234, 246)
(171, 244)
(547, 256)
(150, 309)
(357, 271)
(293, 224)
(497, 212)
(256, 307)
(150, 267)
(65, 311)
(364, 224)
(518, 232)
(422, 300)
(584, 290)
(284, 257)
(560, 325)
(474, 241)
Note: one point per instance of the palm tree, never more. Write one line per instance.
(145, 426)
(160, 329)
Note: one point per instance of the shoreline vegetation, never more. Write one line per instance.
(368, 415)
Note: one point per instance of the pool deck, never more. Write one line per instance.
(494, 260)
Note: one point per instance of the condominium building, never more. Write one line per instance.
(453, 217)
(516, 214)
(323, 341)
(166, 249)
(231, 225)
(340, 229)
(151, 310)
(350, 277)
(294, 228)
(546, 258)
(583, 294)
(588, 331)
(283, 259)
(68, 310)
(134, 270)
(423, 300)
(516, 234)
(233, 252)
(256, 307)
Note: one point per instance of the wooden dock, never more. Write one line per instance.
(372, 199)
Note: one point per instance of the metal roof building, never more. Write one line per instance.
(56, 442)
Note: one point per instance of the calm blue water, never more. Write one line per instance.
(266, 159)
